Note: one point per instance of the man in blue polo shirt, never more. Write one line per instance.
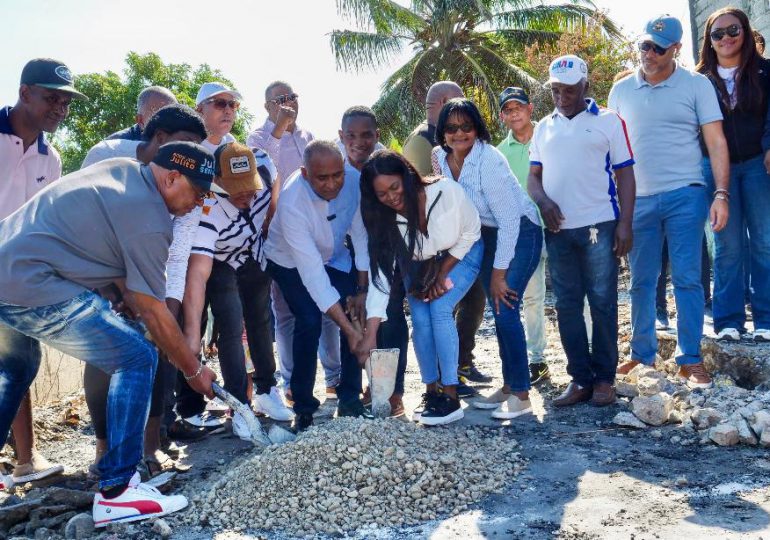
(667, 107)
(574, 153)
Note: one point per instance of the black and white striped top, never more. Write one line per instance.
(231, 235)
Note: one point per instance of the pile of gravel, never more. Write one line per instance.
(352, 473)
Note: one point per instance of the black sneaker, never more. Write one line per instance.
(538, 372)
(354, 409)
(463, 390)
(441, 411)
(472, 373)
(425, 402)
(181, 430)
(301, 422)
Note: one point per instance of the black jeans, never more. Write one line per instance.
(307, 332)
(705, 276)
(394, 333)
(581, 268)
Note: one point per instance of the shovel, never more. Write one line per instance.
(276, 435)
(381, 368)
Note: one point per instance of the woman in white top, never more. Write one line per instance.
(432, 231)
(513, 240)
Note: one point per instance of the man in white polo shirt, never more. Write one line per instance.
(218, 104)
(27, 165)
(575, 152)
(668, 108)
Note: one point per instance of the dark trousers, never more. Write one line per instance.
(394, 333)
(307, 333)
(705, 277)
(468, 316)
(581, 268)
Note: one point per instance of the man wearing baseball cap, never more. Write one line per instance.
(668, 108)
(225, 268)
(27, 165)
(218, 104)
(106, 224)
(575, 152)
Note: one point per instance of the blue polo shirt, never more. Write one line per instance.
(663, 124)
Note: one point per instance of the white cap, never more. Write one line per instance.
(211, 89)
(567, 69)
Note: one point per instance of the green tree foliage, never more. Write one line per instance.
(112, 101)
(477, 43)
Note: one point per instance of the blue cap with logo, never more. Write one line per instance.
(663, 30)
(50, 73)
(514, 93)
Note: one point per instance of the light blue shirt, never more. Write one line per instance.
(344, 206)
(663, 124)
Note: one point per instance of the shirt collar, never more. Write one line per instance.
(671, 81)
(512, 140)
(7, 129)
(592, 108)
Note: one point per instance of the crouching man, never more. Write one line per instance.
(102, 225)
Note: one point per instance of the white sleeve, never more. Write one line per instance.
(179, 253)
(469, 224)
(360, 239)
(377, 300)
(97, 153)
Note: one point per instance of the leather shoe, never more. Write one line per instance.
(572, 395)
(603, 395)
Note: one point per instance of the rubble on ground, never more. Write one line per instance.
(726, 414)
(353, 473)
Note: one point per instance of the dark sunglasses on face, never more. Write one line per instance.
(222, 104)
(285, 98)
(646, 46)
(466, 127)
(734, 30)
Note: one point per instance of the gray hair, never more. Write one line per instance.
(154, 92)
(273, 85)
(318, 146)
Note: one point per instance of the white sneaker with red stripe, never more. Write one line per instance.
(138, 501)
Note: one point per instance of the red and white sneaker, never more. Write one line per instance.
(6, 482)
(138, 501)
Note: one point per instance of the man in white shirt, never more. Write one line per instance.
(574, 153)
(318, 206)
(218, 105)
(27, 165)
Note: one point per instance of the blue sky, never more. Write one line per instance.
(252, 41)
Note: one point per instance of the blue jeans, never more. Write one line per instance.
(678, 216)
(749, 209)
(580, 268)
(86, 328)
(307, 333)
(434, 333)
(510, 332)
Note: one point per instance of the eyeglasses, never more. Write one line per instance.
(646, 46)
(466, 127)
(734, 30)
(285, 98)
(222, 104)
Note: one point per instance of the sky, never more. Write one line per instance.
(253, 42)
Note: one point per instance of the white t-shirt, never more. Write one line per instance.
(578, 157)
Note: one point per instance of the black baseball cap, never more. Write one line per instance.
(50, 73)
(192, 160)
(514, 93)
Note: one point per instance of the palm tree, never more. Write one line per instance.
(477, 43)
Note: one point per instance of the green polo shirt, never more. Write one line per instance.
(517, 155)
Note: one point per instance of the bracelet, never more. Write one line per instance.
(721, 197)
(724, 192)
(191, 377)
(362, 289)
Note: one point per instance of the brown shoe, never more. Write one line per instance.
(627, 366)
(695, 375)
(603, 395)
(396, 406)
(572, 395)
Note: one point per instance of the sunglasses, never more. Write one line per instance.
(222, 104)
(734, 30)
(646, 46)
(285, 98)
(466, 127)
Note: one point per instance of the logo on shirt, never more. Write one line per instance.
(40, 179)
(239, 164)
(64, 73)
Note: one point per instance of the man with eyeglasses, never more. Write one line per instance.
(218, 105)
(667, 108)
(27, 165)
(280, 136)
(83, 233)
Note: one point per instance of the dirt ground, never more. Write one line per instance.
(585, 478)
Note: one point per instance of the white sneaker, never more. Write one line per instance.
(762, 334)
(206, 420)
(241, 427)
(37, 469)
(513, 407)
(273, 406)
(729, 334)
(138, 501)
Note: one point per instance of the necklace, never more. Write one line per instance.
(456, 164)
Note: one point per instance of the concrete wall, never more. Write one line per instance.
(757, 10)
(59, 375)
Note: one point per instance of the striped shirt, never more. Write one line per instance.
(500, 201)
(231, 235)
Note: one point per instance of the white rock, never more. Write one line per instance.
(765, 439)
(79, 526)
(162, 528)
(628, 419)
(724, 435)
(653, 410)
(760, 420)
(650, 384)
(706, 417)
(625, 389)
(745, 434)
